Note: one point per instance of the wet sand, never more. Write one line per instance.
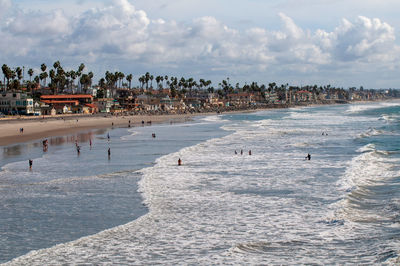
(43, 128)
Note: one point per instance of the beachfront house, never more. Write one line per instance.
(104, 105)
(271, 97)
(193, 103)
(240, 99)
(16, 103)
(166, 103)
(303, 96)
(70, 103)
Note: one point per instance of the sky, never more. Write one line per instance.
(344, 43)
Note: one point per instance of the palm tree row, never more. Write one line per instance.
(62, 81)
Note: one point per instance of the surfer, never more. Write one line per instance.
(241, 152)
(249, 152)
(235, 152)
(308, 157)
(30, 163)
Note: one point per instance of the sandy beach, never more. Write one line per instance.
(49, 127)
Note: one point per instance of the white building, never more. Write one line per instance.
(16, 103)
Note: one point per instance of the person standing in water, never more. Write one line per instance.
(179, 161)
(308, 157)
(30, 163)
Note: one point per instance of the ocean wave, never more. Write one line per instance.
(370, 167)
(358, 108)
(371, 132)
(213, 118)
(390, 117)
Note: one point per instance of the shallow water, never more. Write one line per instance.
(271, 207)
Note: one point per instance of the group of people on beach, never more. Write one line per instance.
(78, 148)
(241, 152)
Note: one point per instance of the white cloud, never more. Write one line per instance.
(119, 35)
(363, 39)
(36, 24)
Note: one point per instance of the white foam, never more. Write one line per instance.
(358, 108)
(222, 208)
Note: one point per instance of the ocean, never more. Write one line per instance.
(244, 194)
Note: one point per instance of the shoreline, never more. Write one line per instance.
(36, 128)
(61, 126)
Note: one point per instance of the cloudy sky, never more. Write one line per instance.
(339, 42)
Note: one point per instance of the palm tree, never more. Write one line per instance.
(141, 80)
(121, 78)
(72, 75)
(79, 72)
(151, 79)
(43, 67)
(166, 78)
(129, 79)
(147, 79)
(81, 67)
(19, 76)
(86, 81)
(30, 73)
(158, 79)
(7, 75)
(56, 64)
(43, 76)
